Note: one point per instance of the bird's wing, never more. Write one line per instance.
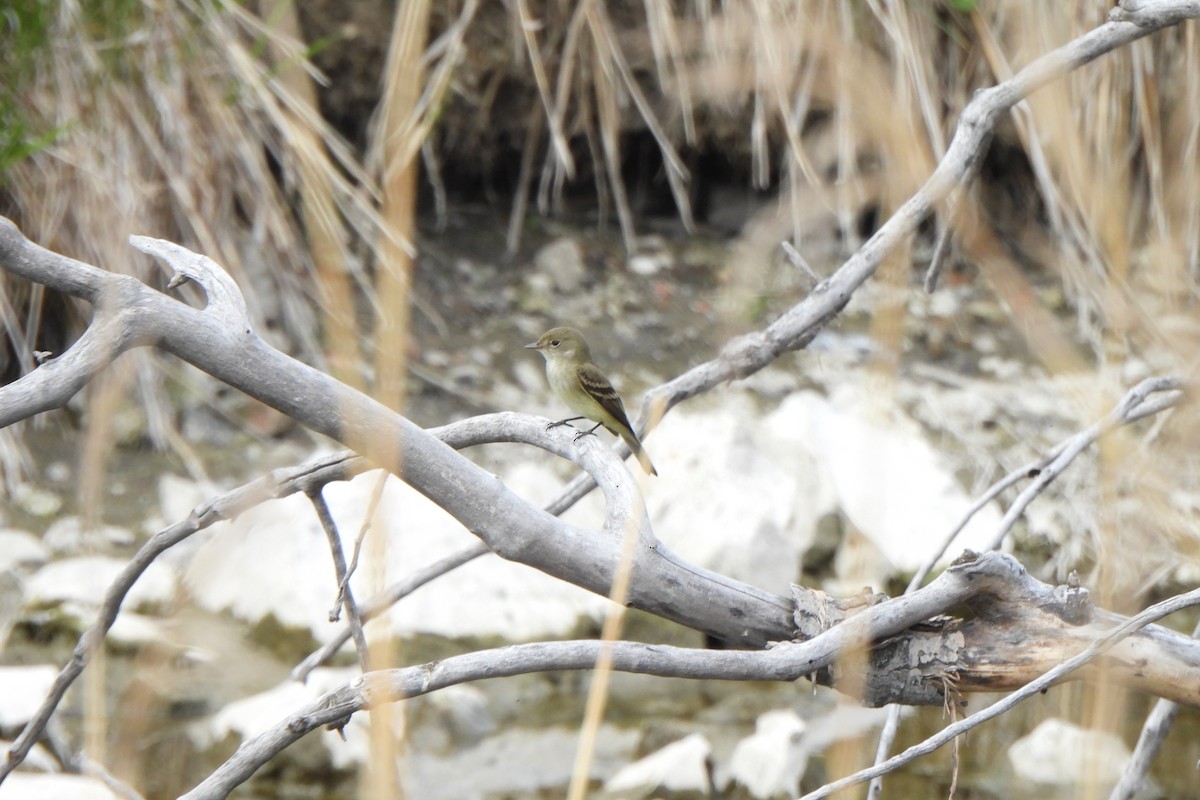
(595, 384)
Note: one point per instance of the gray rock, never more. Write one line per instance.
(681, 766)
(20, 548)
(1059, 754)
(562, 260)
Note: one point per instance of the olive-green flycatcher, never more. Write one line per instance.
(580, 384)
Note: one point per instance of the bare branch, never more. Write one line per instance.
(1099, 646)
(1157, 726)
(276, 484)
(392, 595)
(1135, 405)
(993, 585)
(510, 526)
(797, 326)
(345, 593)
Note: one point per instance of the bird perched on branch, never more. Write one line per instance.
(580, 384)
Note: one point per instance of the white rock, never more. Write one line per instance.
(648, 264)
(68, 535)
(250, 716)
(21, 548)
(36, 501)
(463, 714)
(543, 760)
(28, 786)
(177, 496)
(84, 580)
(58, 471)
(24, 690)
(734, 494)
(889, 481)
(944, 303)
(562, 260)
(681, 766)
(1059, 753)
(844, 720)
(135, 630)
(280, 550)
(772, 760)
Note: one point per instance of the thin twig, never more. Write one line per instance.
(939, 258)
(345, 593)
(1155, 730)
(799, 261)
(1128, 409)
(363, 530)
(392, 595)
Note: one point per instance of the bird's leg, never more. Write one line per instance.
(591, 432)
(562, 422)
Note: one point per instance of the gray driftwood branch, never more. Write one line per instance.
(1020, 631)
(218, 340)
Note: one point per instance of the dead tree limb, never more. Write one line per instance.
(1014, 613)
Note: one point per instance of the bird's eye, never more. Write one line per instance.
(555, 342)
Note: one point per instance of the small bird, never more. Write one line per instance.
(582, 386)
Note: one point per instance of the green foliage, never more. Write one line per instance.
(17, 141)
(26, 36)
(26, 29)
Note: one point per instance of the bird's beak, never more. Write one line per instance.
(533, 346)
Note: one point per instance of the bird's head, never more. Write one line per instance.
(562, 342)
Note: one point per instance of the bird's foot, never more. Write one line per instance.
(589, 432)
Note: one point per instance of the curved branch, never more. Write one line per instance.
(340, 466)
(1133, 406)
(1110, 639)
(214, 340)
(225, 300)
(389, 597)
(991, 584)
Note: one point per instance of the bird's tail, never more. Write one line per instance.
(639, 452)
